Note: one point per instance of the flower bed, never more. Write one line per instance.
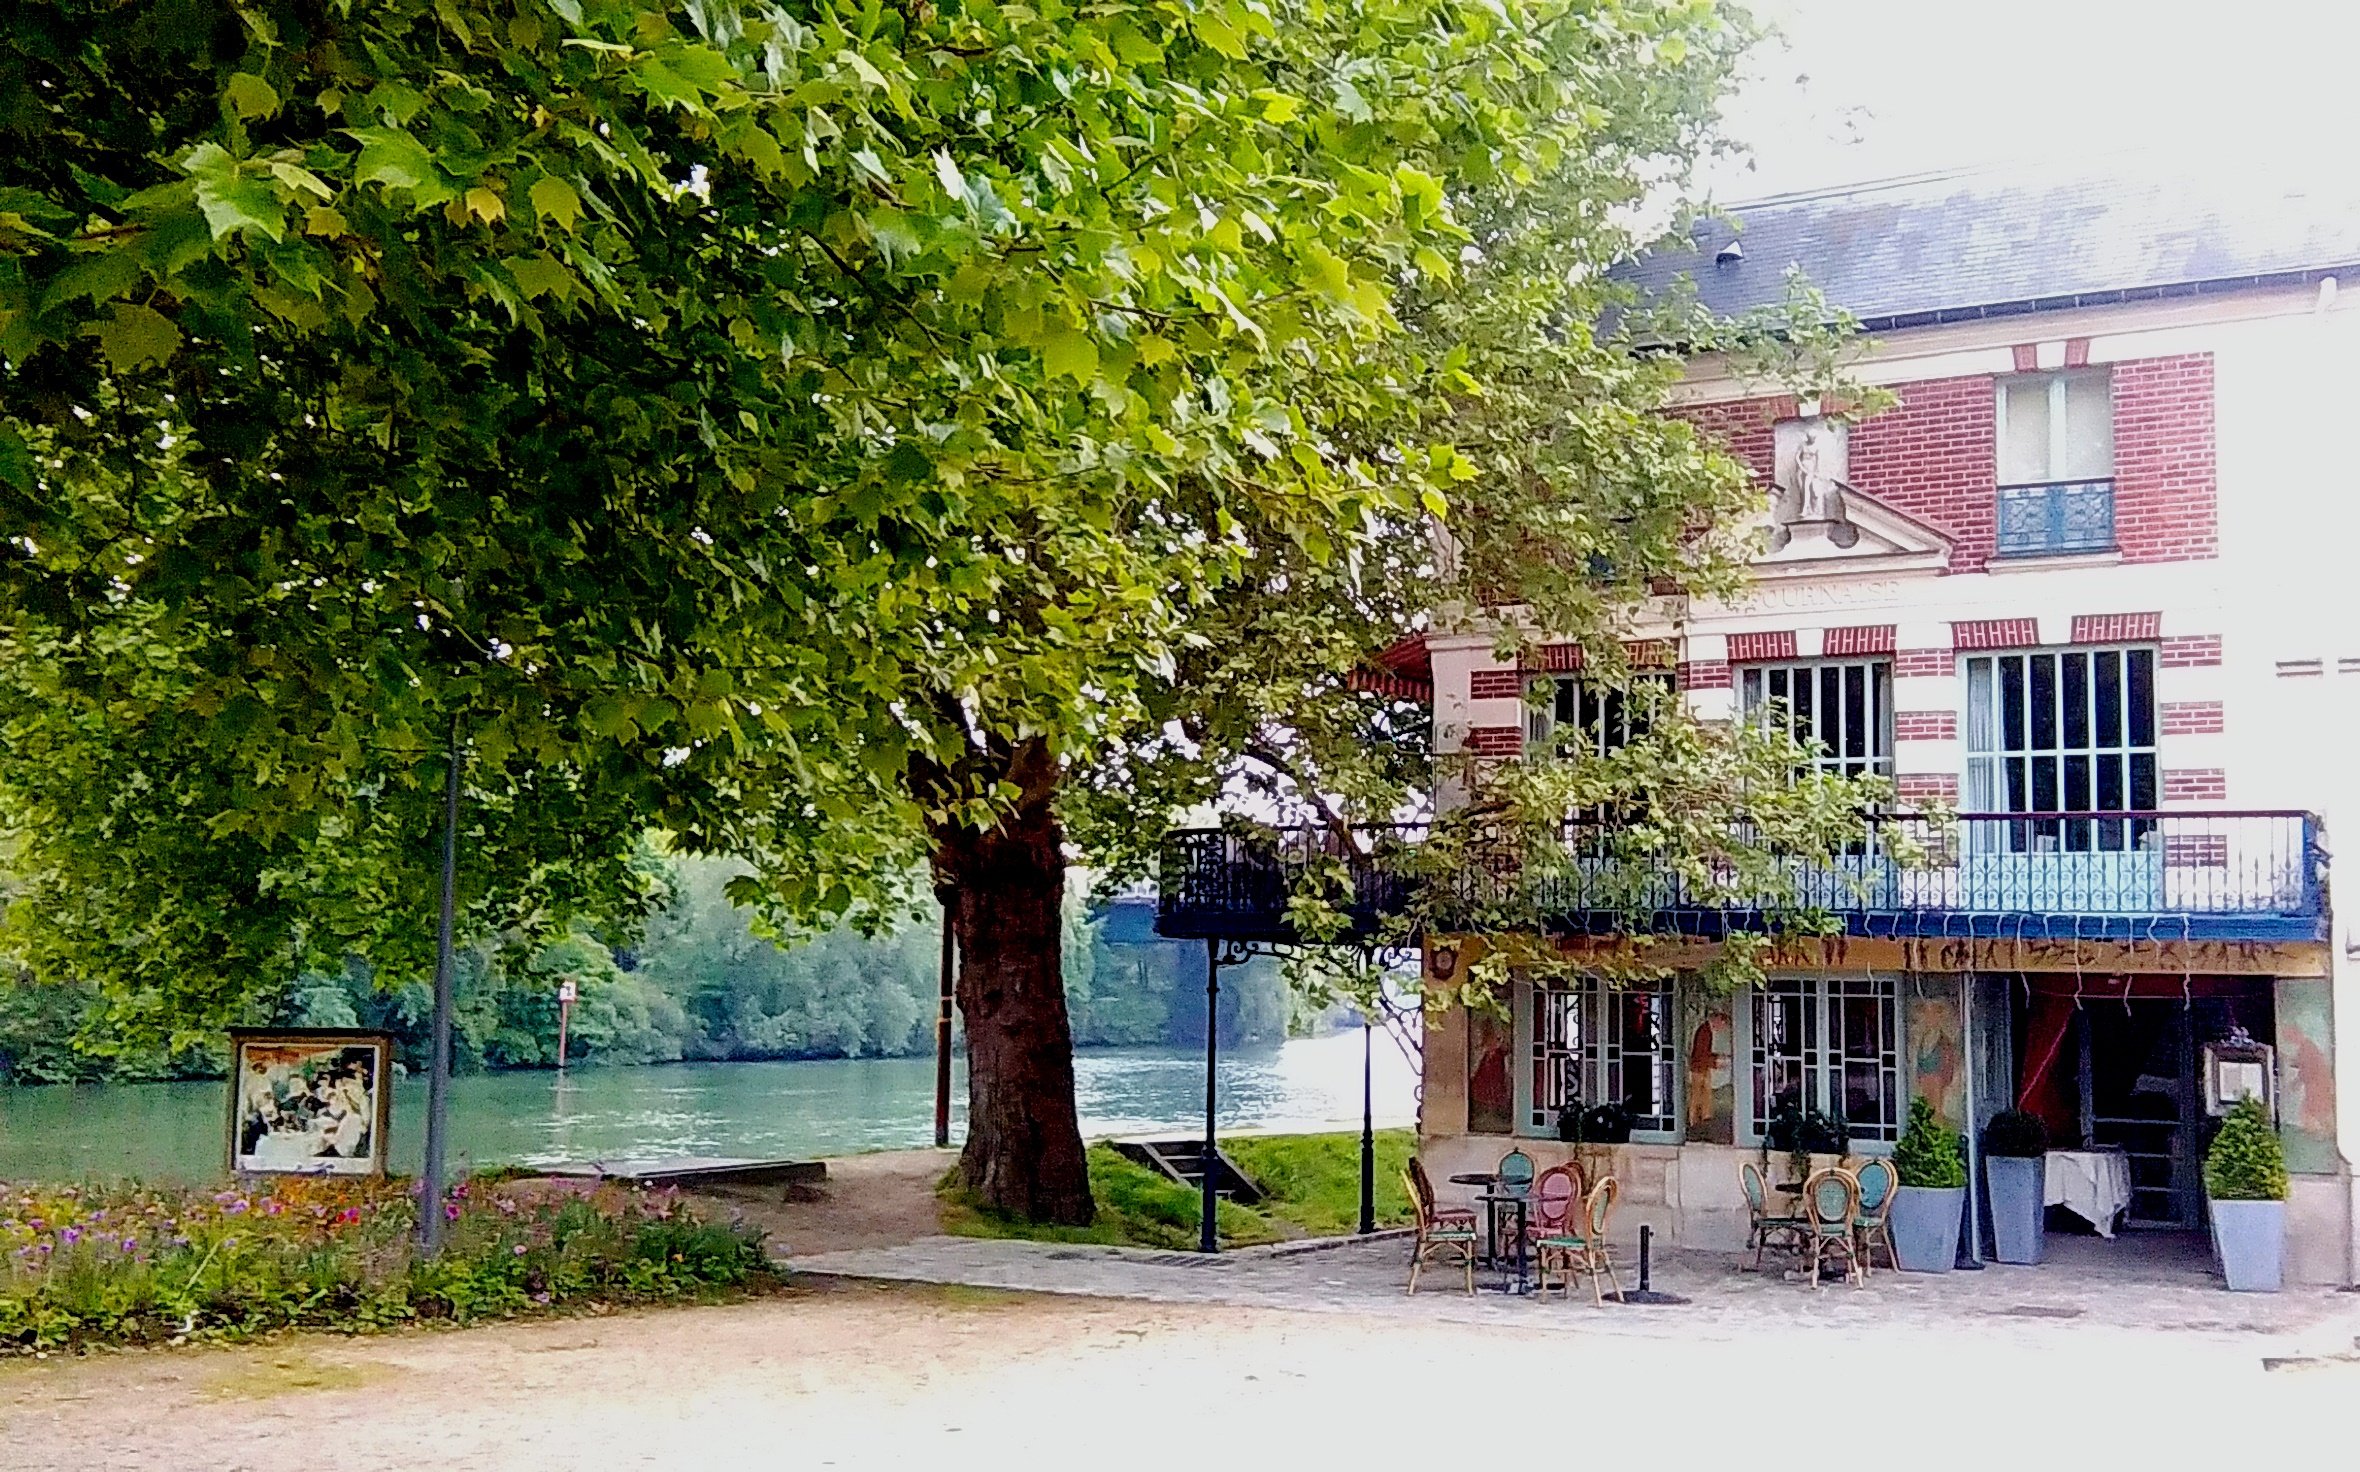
(132, 1265)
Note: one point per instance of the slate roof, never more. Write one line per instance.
(1905, 252)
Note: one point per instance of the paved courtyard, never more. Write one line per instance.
(2099, 1290)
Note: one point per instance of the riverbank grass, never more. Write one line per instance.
(1311, 1185)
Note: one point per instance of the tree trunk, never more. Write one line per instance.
(1006, 892)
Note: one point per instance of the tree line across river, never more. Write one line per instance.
(699, 982)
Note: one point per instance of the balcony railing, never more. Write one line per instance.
(2056, 517)
(2139, 876)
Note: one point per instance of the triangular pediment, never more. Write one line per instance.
(1864, 535)
(1818, 523)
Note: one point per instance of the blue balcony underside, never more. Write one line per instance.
(2136, 878)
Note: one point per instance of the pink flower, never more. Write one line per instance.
(518, 1250)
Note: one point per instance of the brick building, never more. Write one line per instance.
(2087, 582)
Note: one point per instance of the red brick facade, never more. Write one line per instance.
(1924, 662)
(1496, 685)
(1912, 787)
(2193, 718)
(2191, 651)
(2195, 784)
(2165, 501)
(1995, 633)
(1761, 648)
(1705, 674)
(1496, 740)
(1935, 456)
(1857, 640)
(1925, 725)
(2117, 628)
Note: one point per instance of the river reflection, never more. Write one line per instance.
(824, 1107)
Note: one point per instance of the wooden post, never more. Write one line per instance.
(942, 1028)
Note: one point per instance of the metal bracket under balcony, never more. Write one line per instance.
(2152, 876)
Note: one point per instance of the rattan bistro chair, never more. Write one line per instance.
(1831, 1204)
(1421, 1188)
(1766, 1225)
(1556, 1203)
(1585, 1251)
(1869, 1228)
(1438, 1236)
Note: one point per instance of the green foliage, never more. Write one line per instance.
(1929, 1152)
(1311, 1185)
(2246, 1161)
(2016, 1134)
(126, 1265)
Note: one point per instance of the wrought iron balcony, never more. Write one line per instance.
(2090, 876)
(2056, 517)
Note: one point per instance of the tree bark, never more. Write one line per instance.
(1005, 888)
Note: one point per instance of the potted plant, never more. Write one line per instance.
(1930, 1165)
(1569, 1122)
(2245, 1187)
(2015, 1173)
(1606, 1124)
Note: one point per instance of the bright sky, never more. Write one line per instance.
(1872, 89)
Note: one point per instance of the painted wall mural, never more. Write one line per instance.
(1712, 1088)
(1937, 1053)
(2306, 1076)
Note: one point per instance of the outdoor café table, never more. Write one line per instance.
(2094, 1185)
(1484, 1181)
(1521, 1201)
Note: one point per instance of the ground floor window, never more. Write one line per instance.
(1830, 1043)
(1592, 1044)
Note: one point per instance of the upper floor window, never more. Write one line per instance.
(2056, 463)
(2056, 427)
(1840, 708)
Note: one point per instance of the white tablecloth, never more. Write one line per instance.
(2094, 1185)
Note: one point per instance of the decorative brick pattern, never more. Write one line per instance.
(1857, 640)
(2165, 487)
(1761, 648)
(2117, 628)
(2195, 784)
(2197, 851)
(1706, 674)
(1496, 685)
(1925, 725)
(1934, 456)
(2193, 718)
(2077, 352)
(1495, 740)
(1912, 787)
(1653, 654)
(2027, 356)
(1558, 659)
(1911, 662)
(2191, 651)
(1995, 633)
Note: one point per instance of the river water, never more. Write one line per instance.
(759, 1110)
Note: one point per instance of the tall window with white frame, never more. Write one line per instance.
(2056, 463)
(1593, 1043)
(1840, 708)
(2061, 731)
(1830, 1043)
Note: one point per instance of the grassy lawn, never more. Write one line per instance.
(1312, 1186)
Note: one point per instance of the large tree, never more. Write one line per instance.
(820, 432)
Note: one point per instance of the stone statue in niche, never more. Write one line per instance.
(1809, 487)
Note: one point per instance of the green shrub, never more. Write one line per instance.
(2246, 1162)
(2016, 1134)
(1930, 1153)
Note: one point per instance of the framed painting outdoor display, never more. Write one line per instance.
(309, 1101)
